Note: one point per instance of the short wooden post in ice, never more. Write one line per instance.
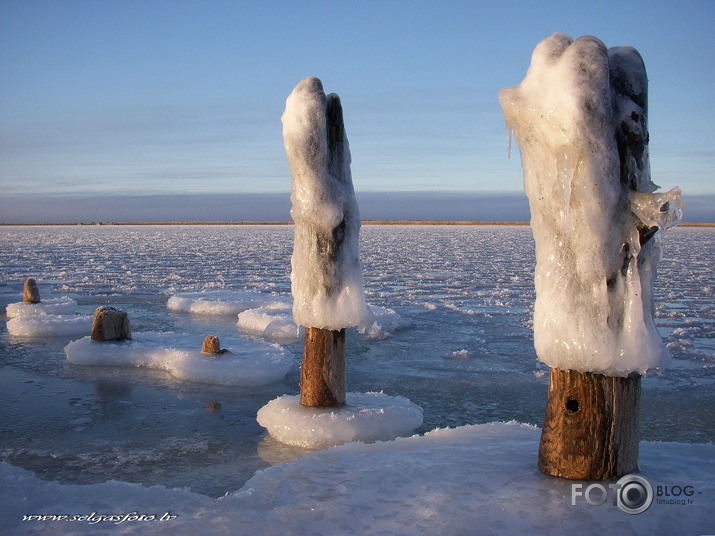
(212, 345)
(326, 279)
(30, 291)
(110, 324)
(591, 427)
(580, 119)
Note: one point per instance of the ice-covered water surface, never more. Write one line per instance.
(478, 479)
(462, 350)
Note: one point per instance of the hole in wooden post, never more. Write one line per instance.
(572, 405)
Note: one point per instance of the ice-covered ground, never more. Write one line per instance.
(478, 479)
(462, 350)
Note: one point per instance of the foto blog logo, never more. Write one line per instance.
(633, 494)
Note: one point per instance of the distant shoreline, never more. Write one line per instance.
(365, 222)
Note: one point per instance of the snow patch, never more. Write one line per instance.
(275, 322)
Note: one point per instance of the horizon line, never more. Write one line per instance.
(288, 222)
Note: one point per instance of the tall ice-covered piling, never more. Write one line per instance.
(580, 120)
(326, 278)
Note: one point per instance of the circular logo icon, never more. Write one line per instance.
(634, 494)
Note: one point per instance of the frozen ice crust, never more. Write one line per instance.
(326, 279)
(580, 119)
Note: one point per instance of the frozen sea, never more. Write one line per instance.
(462, 350)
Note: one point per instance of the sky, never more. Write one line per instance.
(159, 110)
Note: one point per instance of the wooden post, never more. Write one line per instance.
(322, 377)
(30, 292)
(584, 147)
(592, 423)
(212, 345)
(591, 426)
(110, 324)
(326, 232)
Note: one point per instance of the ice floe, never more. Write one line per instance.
(219, 302)
(49, 325)
(51, 306)
(246, 363)
(364, 417)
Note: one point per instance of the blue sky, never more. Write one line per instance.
(102, 102)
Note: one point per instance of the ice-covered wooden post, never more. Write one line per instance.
(580, 119)
(110, 324)
(30, 291)
(326, 279)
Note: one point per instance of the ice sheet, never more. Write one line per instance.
(218, 302)
(479, 478)
(364, 417)
(385, 321)
(464, 291)
(273, 322)
(51, 306)
(247, 363)
(49, 325)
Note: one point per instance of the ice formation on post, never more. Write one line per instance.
(580, 119)
(326, 278)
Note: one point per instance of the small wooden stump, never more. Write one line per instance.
(212, 346)
(591, 428)
(110, 324)
(30, 291)
(322, 376)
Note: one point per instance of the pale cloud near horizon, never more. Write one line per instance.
(451, 206)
